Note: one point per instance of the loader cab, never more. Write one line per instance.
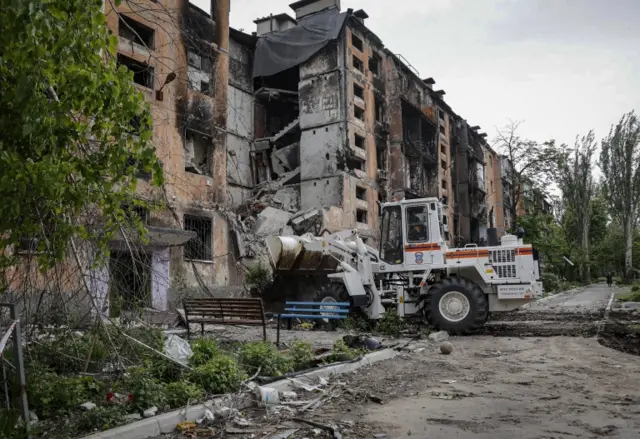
(407, 227)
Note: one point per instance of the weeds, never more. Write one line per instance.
(301, 355)
(219, 375)
(257, 276)
(265, 356)
(391, 324)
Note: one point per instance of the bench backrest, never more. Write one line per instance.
(223, 310)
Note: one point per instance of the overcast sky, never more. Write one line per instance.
(561, 66)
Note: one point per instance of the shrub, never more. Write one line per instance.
(550, 282)
(51, 394)
(221, 374)
(181, 393)
(146, 390)
(391, 324)
(301, 355)
(257, 276)
(265, 356)
(68, 353)
(101, 418)
(342, 352)
(204, 349)
(635, 288)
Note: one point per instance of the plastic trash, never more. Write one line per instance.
(178, 349)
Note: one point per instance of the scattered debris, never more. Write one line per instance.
(268, 395)
(549, 397)
(439, 336)
(330, 428)
(380, 435)
(178, 349)
(148, 413)
(234, 430)
(186, 426)
(133, 417)
(288, 396)
(448, 381)
(446, 347)
(284, 434)
(88, 406)
(375, 399)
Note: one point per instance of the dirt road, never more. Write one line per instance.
(506, 387)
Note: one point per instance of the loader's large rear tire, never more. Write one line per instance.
(330, 293)
(456, 305)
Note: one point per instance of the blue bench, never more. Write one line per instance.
(312, 311)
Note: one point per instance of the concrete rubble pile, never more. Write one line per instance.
(274, 210)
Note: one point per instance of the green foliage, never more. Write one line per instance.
(635, 289)
(391, 324)
(301, 355)
(67, 144)
(257, 276)
(68, 353)
(51, 394)
(180, 393)
(204, 349)
(342, 352)
(219, 375)
(265, 356)
(101, 418)
(10, 424)
(146, 390)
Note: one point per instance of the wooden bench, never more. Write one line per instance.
(225, 311)
(312, 311)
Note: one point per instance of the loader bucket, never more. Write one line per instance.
(289, 254)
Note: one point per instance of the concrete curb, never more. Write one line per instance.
(167, 422)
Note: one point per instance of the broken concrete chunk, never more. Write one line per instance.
(271, 221)
(88, 406)
(288, 157)
(438, 336)
(288, 198)
(446, 347)
(150, 412)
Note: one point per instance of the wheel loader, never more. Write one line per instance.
(414, 272)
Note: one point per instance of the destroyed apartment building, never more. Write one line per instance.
(304, 126)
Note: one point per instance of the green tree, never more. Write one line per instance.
(75, 131)
(575, 178)
(620, 164)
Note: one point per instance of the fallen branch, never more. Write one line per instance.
(333, 430)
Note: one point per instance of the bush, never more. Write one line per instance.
(301, 355)
(391, 324)
(51, 394)
(68, 353)
(101, 418)
(635, 288)
(204, 349)
(146, 390)
(257, 276)
(181, 393)
(219, 375)
(550, 282)
(265, 356)
(342, 352)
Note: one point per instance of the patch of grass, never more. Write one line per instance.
(629, 296)
(265, 356)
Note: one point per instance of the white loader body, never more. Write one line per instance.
(415, 271)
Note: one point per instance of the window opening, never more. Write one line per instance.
(199, 247)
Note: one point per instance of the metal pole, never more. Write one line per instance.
(22, 381)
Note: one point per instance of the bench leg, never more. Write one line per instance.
(278, 333)
(202, 328)
(289, 324)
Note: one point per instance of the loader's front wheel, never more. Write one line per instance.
(456, 305)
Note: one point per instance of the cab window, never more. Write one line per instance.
(417, 224)
(391, 249)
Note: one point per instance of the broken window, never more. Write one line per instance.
(444, 184)
(199, 247)
(443, 149)
(362, 216)
(204, 87)
(134, 31)
(491, 187)
(374, 64)
(441, 114)
(379, 108)
(197, 153)
(358, 113)
(142, 73)
(359, 141)
(354, 163)
(442, 130)
(443, 164)
(358, 64)
(381, 156)
(356, 42)
(361, 193)
(132, 212)
(358, 91)
(194, 60)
